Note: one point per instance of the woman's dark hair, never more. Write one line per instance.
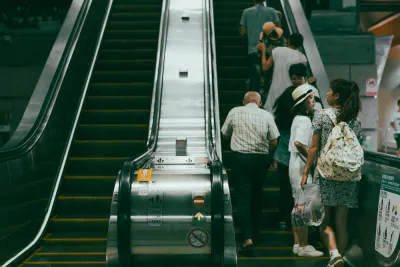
(296, 40)
(282, 107)
(298, 70)
(398, 102)
(349, 99)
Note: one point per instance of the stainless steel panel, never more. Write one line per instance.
(164, 228)
(182, 112)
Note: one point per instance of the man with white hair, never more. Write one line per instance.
(254, 136)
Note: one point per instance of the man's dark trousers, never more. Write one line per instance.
(248, 174)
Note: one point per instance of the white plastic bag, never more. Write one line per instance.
(308, 209)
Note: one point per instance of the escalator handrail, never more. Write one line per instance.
(214, 139)
(295, 16)
(132, 165)
(214, 80)
(44, 96)
(382, 159)
(217, 214)
(60, 172)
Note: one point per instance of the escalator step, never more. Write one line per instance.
(123, 76)
(129, 43)
(83, 204)
(67, 238)
(118, 102)
(148, 34)
(72, 249)
(131, 116)
(79, 222)
(126, 64)
(89, 185)
(142, 16)
(107, 148)
(144, 53)
(85, 259)
(112, 131)
(136, 25)
(121, 89)
(95, 166)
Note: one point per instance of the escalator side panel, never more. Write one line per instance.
(30, 178)
(112, 128)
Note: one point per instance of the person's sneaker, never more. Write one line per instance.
(295, 249)
(336, 262)
(309, 251)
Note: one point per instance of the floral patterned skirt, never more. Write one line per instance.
(335, 193)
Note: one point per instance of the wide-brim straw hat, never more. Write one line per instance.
(302, 92)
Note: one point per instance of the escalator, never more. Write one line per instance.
(112, 128)
(275, 246)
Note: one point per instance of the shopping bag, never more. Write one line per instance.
(297, 215)
(314, 211)
(308, 209)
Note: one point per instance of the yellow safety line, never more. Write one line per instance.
(279, 258)
(30, 257)
(117, 110)
(135, 13)
(273, 248)
(276, 232)
(66, 262)
(107, 125)
(89, 177)
(47, 238)
(119, 97)
(110, 141)
(272, 189)
(84, 197)
(76, 239)
(277, 248)
(126, 60)
(119, 40)
(69, 253)
(79, 219)
(132, 50)
(268, 211)
(95, 158)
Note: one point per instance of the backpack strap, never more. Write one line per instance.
(331, 114)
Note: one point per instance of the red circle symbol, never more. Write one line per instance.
(198, 201)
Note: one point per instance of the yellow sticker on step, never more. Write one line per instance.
(144, 175)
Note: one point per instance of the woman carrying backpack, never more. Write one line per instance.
(339, 192)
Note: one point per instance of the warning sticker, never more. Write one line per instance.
(388, 223)
(198, 238)
(144, 175)
(198, 201)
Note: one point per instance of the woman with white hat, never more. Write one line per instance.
(300, 140)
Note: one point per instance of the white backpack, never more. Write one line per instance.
(342, 157)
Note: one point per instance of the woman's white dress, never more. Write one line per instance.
(302, 132)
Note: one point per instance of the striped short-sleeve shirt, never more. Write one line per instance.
(251, 129)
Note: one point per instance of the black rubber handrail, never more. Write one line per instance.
(23, 141)
(217, 214)
(382, 159)
(131, 166)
